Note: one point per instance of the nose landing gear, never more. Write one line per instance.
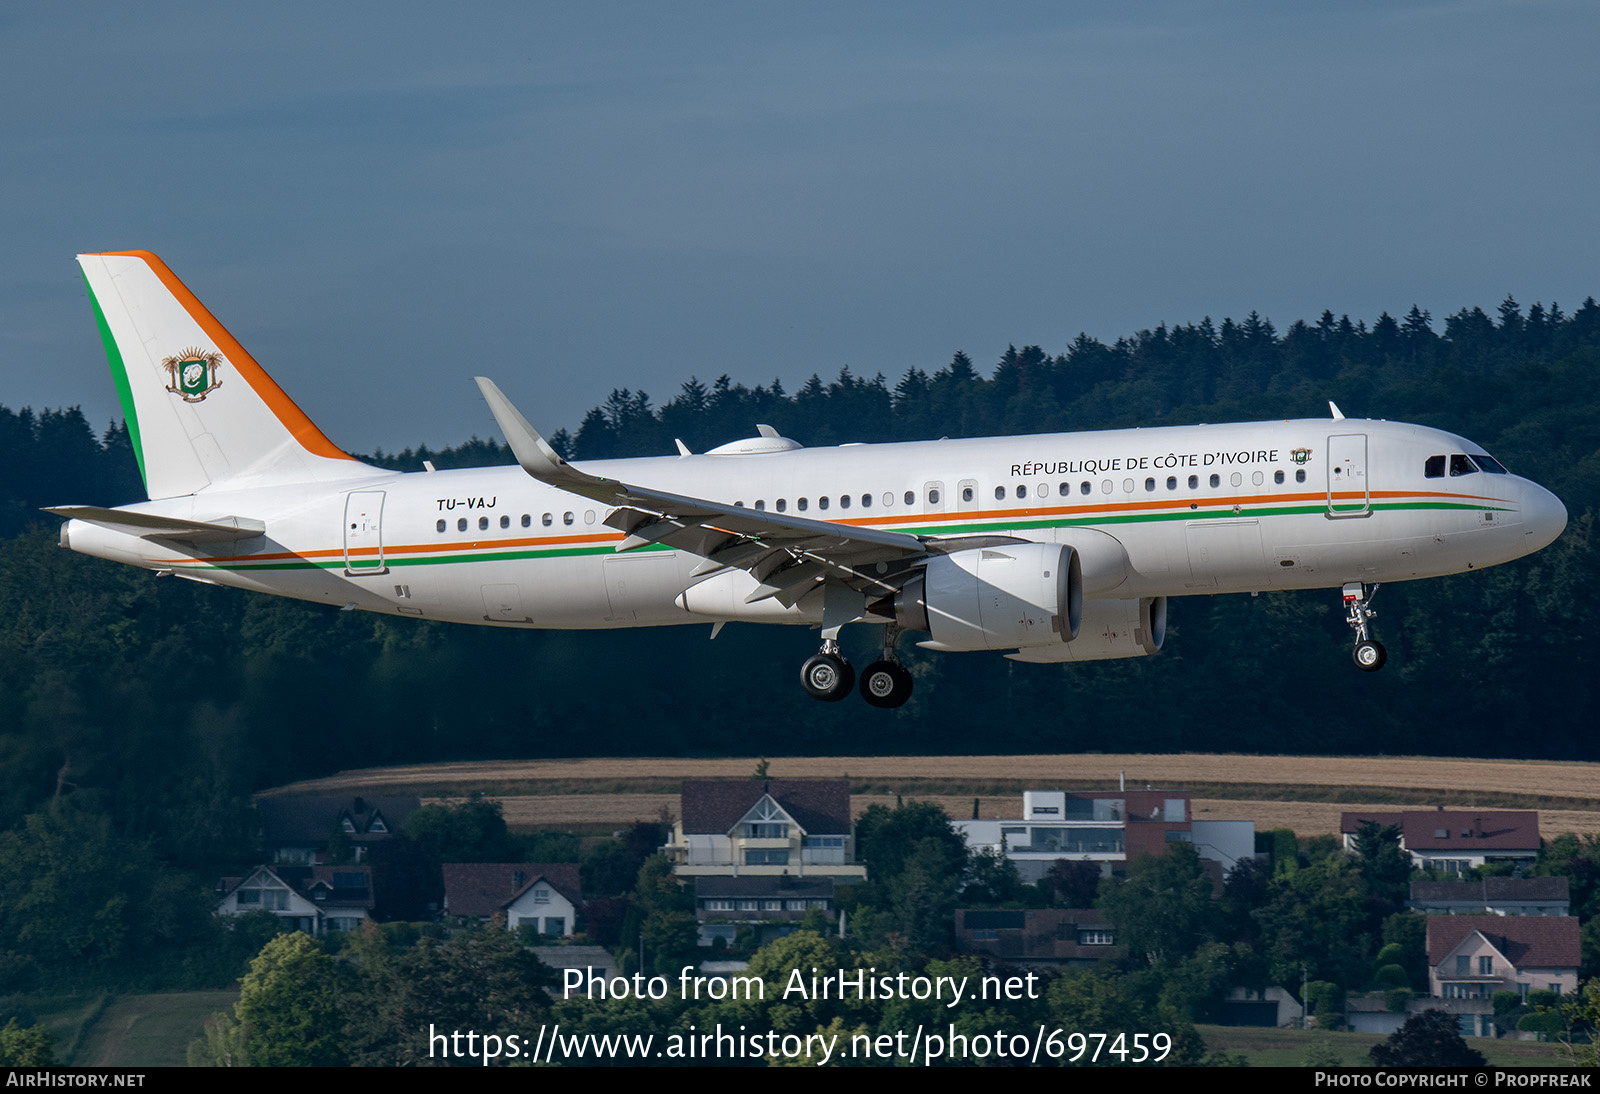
(1369, 654)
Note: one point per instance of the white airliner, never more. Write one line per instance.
(1057, 547)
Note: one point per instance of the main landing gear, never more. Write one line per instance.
(1369, 654)
(885, 683)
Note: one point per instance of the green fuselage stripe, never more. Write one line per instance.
(492, 555)
(119, 375)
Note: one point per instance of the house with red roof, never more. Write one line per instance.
(1470, 957)
(543, 895)
(1453, 841)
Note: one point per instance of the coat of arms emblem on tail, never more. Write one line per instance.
(193, 373)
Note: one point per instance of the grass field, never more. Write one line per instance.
(1306, 794)
(1288, 1047)
(151, 1030)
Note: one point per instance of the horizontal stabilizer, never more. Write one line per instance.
(151, 526)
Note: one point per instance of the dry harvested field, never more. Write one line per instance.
(1303, 793)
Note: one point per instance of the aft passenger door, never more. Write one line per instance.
(1349, 494)
(363, 532)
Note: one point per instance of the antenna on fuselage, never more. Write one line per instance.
(1338, 415)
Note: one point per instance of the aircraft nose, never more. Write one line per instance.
(1543, 516)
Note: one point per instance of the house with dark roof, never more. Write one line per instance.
(1471, 957)
(771, 827)
(546, 896)
(313, 899)
(1453, 841)
(1072, 937)
(297, 828)
(769, 906)
(1492, 896)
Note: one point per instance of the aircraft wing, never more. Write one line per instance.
(788, 555)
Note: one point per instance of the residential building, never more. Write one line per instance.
(297, 829)
(313, 899)
(1455, 841)
(765, 827)
(1472, 957)
(545, 896)
(1546, 896)
(1070, 937)
(1109, 827)
(769, 907)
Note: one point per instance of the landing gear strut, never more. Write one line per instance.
(1369, 654)
(886, 683)
(827, 676)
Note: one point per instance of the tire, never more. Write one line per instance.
(885, 684)
(1369, 656)
(827, 677)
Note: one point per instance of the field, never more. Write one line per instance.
(129, 1030)
(1288, 1047)
(1306, 794)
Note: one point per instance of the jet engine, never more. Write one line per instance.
(1110, 629)
(995, 598)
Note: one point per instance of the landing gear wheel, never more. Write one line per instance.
(828, 677)
(886, 684)
(1370, 656)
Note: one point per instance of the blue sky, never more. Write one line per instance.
(383, 200)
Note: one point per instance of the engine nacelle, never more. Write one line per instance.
(995, 598)
(1111, 629)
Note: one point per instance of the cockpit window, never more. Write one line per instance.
(1489, 464)
(1434, 467)
(1461, 465)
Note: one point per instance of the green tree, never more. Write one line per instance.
(1163, 909)
(289, 1006)
(26, 1046)
(1429, 1039)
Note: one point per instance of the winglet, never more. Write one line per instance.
(1338, 415)
(533, 453)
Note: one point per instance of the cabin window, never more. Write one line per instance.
(588, 516)
(1127, 486)
(844, 501)
(866, 501)
(1257, 478)
(505, 521)
(1194, 482)
(801, 505)
(461, 525)
(1149, 486)
(1022, 491)
(1172, 482)
(822, 503)
(1064, 489)
(1235, 479)
(1083, 489)
(1277, 477)
(999, 493)
(547, 520)
(783, 505)
(1300, 476)
(1216, 481)
(911, 497)
(1433, 467)
(1042, 490)
(527, 520)
(761, 505)
(483, 524)
(1105, 486)
(888, 499)
(1461, 465)
(567, 518)
(933, 497)
(966, 493)
(439, 526)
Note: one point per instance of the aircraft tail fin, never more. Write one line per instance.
(199, 410)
